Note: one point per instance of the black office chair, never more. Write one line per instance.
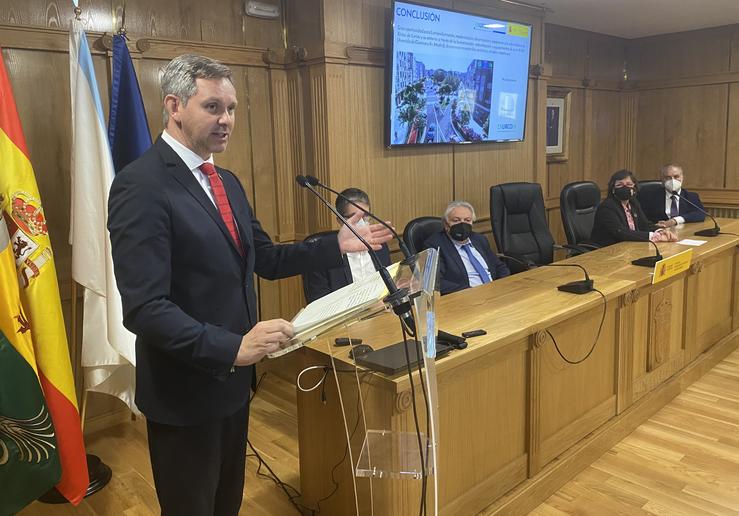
(520, 225)
(315, 237)
(418, 230)
(647, 187)
(577, 204)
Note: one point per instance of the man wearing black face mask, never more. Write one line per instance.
(620, 217)
(465, 258)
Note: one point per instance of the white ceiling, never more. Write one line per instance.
(639, 18)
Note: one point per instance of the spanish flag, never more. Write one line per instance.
(38, 291)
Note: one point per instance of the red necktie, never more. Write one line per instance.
(224, 208)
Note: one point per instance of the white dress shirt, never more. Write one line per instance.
(472, 276)
(668, 205)
(193, 162)
(360, 264)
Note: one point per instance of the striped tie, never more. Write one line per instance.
(224, 208)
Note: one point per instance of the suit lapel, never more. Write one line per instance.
(451, 251)
(185, 177)
(235, 198)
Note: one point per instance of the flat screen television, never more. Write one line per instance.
(455, 77)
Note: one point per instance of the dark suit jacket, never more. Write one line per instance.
(610, 225)
(451, 268)
(653, 204)
(188, 294)
(318, 283)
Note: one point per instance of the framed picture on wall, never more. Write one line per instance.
(558, 124)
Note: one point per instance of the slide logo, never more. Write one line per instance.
(417, 15)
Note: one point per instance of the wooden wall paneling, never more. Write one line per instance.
(731, 176)
(608, 136)
(316, 144)
(734, 51)
(286, 147)
(606, 57)
(566, 50)
(149, 72)
(629, 120)
(356, 22)
(588, 136)
(55, 14)
(687, 126)
(684, 54)
(561, 173)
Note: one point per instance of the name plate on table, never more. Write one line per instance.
(672, 266)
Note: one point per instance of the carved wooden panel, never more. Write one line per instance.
(660, 315)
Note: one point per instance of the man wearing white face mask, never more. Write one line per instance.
(357, 265)
(674, 205)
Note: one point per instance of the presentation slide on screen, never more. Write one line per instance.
(456, 77)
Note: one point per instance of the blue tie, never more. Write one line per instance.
(674, 212)
(484, 277)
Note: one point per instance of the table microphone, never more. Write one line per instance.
(710, 232)
(397, 298)
(313, 181)
(648, 261)
(573, 287)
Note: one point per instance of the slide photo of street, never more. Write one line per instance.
(440, 100)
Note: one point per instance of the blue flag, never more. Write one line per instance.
(128, 130)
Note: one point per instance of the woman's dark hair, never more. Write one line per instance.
(353, 194)
(620, 175)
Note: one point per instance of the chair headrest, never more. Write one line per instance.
(520, 197)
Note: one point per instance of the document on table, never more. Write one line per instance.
(688, 241)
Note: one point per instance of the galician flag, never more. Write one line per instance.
(108, 349)
(36, 335)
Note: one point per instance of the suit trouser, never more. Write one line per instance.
(199, 470)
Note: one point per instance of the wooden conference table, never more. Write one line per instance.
(515, 420)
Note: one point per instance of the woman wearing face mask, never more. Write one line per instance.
(465, 258)
(620, 217)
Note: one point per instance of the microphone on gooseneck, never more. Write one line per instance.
(313, 181)
(573, 287)
(710, 232)
(648, 261)
(397, 298)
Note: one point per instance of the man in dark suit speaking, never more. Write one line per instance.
(668, 208)
(465, 258)
(185, 246)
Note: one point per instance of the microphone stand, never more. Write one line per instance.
(648, 261)
(573, 287)
(397, 298)
(710, 232)
(313, 181)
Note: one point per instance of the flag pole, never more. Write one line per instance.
(99, 473)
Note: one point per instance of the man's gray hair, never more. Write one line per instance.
(459, 204)
(181, 74)
(667, 167)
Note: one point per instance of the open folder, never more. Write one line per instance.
(340, 305)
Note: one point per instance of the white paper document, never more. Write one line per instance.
(354, 297)
(688, 241)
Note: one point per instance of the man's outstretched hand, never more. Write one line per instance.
(374, 234)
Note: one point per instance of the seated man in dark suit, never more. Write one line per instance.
(465, 258)
(668, 208)
(356, 265)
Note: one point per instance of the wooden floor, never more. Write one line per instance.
(682, 461)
